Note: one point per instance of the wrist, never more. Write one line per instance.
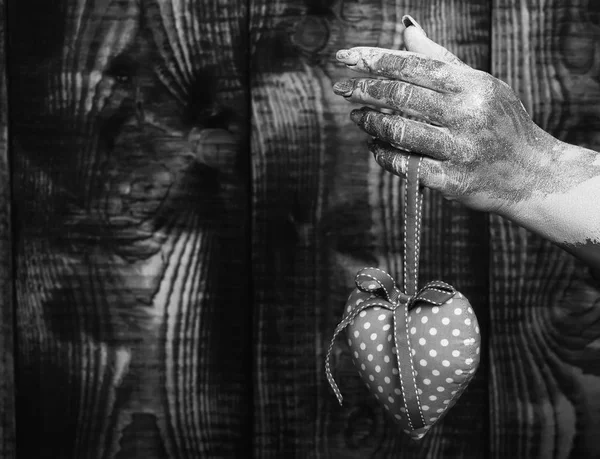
(563, 202)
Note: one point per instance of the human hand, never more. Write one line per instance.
(479, 144)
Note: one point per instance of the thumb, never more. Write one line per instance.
(416, 41)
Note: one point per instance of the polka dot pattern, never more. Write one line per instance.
(445, 348)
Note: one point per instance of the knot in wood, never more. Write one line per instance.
(310, 34)
(216, 148)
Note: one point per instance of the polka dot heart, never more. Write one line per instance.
(416, 350)
(444, 344)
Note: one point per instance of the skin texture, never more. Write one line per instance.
(480, 146)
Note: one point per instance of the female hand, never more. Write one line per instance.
(480, 145)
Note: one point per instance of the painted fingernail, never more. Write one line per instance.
(347, 56)
(344, 88)
(409, 21)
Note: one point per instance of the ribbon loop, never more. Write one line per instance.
(377, 282)
(436, 293)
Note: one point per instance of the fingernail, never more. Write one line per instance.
(408, 21)
(347, 56)
(344, 88)
(356, 115)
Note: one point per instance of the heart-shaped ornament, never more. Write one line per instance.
(416, 350)
(439, 345)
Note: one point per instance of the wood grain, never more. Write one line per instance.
(545, 378)
(131, 164)
(129, 141)
(7, 388)
(323, 209)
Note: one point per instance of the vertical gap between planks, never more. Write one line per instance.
(250, 232)
(12, 269)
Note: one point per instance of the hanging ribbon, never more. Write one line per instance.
(384, 293)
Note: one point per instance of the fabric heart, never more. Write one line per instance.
(416, 350)
(437, 334)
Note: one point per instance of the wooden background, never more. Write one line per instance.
(184, 203)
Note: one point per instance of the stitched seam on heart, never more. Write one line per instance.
(412, 368)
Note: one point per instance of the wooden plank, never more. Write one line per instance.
(7, 392)
(323, 209)
(545, 378)
(129, 138)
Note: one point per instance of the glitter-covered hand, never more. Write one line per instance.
(480, 146)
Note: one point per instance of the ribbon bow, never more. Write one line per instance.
(385, 294)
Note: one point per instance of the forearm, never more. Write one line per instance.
(564, 206)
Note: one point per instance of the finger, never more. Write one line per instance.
(397, 95)
(432, 173)
(412, 136)
(405, 66)
(416, 41)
